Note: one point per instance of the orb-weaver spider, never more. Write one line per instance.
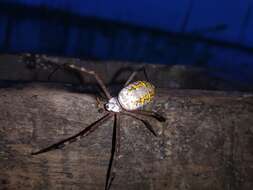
(132, 97)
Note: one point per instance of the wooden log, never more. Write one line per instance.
(113, 72)
(206, 142)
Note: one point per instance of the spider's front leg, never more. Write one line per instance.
(93, 73)
(75, 137)
(43, 61)
(115, 152)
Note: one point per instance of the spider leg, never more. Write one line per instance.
(44, 60)
(53, 72)
(118, 136)
(115, 150)
(75, 137)
(100, 82)
(65, 67)
(153, 114)
(130, 78)
(145, 122)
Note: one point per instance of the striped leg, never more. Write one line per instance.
(75, 137)
(146, 123)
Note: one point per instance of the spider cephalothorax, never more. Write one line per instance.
(113, 105)
(128, 102)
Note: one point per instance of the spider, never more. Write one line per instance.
(128, 102)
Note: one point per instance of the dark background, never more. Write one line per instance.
(215, 35)
(206, 142)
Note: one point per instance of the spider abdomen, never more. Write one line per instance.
(136, 95)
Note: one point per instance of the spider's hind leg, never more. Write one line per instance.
(134, 73)
(145, 122)
(152, 114)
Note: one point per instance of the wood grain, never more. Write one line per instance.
(205, 144)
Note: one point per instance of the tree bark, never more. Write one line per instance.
(206, 142)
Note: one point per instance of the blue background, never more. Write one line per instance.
(213, 34)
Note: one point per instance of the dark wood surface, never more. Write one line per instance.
(116, 72)
(205, 144)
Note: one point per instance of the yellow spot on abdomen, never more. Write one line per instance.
(146, 98)
(136, 95)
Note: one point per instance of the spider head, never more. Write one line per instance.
(113, 105)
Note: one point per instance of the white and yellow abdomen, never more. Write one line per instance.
(136, 95)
